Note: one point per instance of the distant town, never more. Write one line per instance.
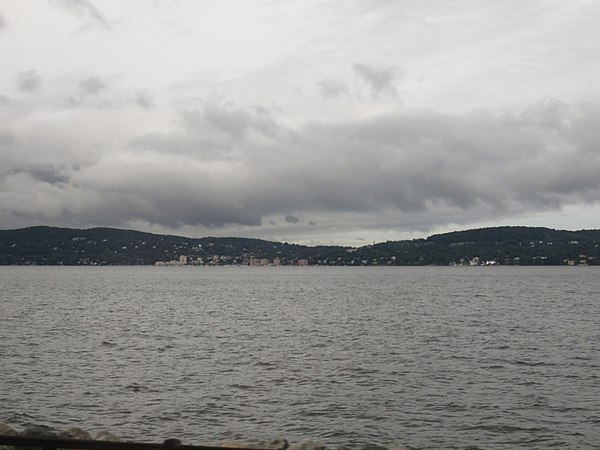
(478, 247)
(219, 260)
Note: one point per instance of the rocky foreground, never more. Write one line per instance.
(44, 432)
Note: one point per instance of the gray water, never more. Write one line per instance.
(494, 358)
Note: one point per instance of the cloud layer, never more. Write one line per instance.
(222, 165)
(299, 121)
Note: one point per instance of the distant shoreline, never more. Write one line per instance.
(499, 246)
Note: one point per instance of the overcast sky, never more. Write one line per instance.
(301, 121)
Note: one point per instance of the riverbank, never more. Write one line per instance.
(46, 432)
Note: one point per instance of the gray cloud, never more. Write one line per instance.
(144, 99)
(223, 165)
(378, 80)
(333, 88)
(84, 9)
(218, 130)
(3, 23)
(29, 81)
(4, 100)
(91, 86)
(46, 175)
(7, 137)
(89, 94)
(290, 218)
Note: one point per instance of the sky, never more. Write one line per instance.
(315, 122)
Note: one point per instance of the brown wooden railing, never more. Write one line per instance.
(56, 443)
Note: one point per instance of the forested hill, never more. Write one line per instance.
(514, 234)
(108, 246)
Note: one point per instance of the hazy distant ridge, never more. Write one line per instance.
(109, 246)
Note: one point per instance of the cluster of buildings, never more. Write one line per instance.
(182, 261)
(583, 260)
(475, 262)
(218, 260)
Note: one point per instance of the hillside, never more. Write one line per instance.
(109, 246)
(502, 245)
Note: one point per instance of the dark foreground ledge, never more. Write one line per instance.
(57, 443)
(41, 437)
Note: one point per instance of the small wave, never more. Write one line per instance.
(165, 348)
(315, 413)
(528, 383)
(501, 429)
(523, 442)
(363, 371)
(461, 357)
(135, 387)
(447, 407)
(243, 387)
(569, 409)
(455, 407)
(265, 364)
(20, 418)
(583, 358)
(533, 363)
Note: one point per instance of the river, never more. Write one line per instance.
(431, 357)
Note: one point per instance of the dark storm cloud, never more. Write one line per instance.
(222, 165)
(29, 81)
(332, 88)
(84, 9)
(378, 80)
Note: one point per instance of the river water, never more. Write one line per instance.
(431, 357)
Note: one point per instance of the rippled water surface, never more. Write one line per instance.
(491, 358)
